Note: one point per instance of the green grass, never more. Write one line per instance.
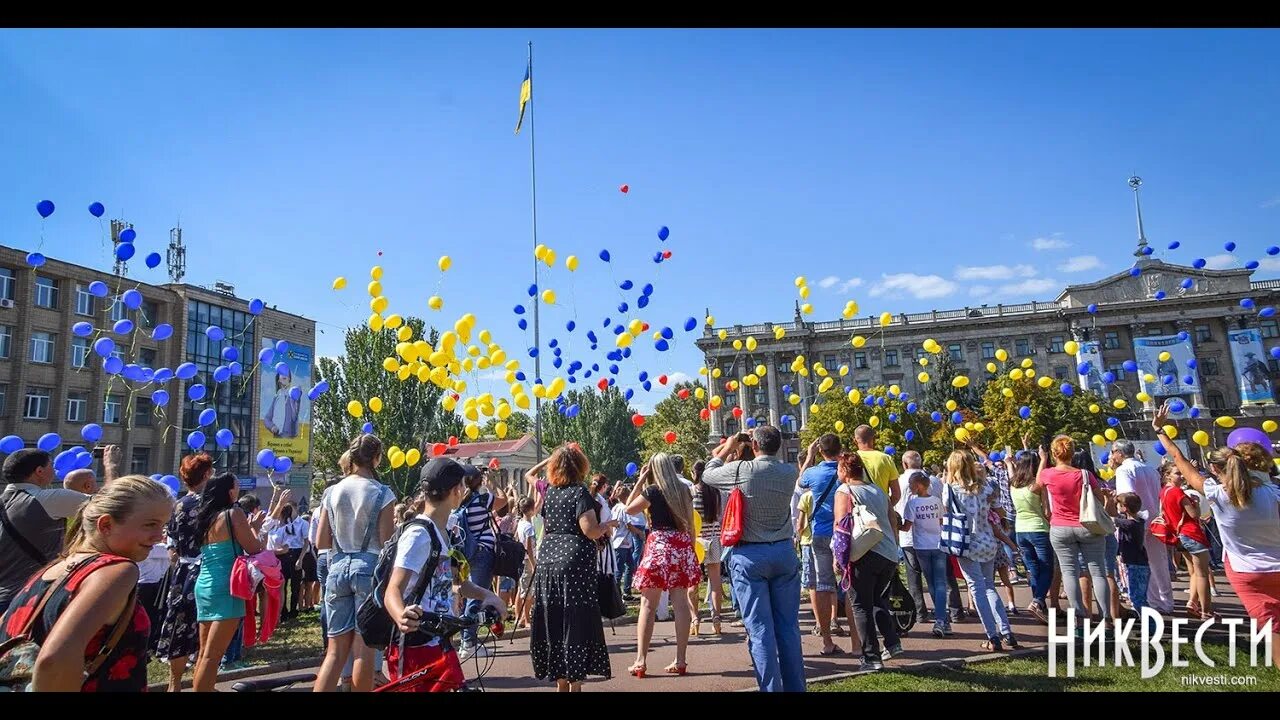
(297, 639)
(1032, 674)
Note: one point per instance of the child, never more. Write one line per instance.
(1131, 527)
(527, 536)
(922, 516)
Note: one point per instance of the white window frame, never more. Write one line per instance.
(49, 341)
(43, 400)
(84, 301)
(80, 350)
(117, 402)
(81, 405)
(47, 292)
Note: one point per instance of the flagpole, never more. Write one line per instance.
(533, 176)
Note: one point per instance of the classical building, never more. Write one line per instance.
(51, 381)
(514, 456)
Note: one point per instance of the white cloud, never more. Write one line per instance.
(828, 281)
(1269, 263)
(1053, 242)
(979, 290)
(678, 377)
(1080, 263)
(993, 272)
(1224, 261)
(918, 286)
(1034, 286)
(850, 284)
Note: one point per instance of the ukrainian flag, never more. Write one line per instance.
(526, 92)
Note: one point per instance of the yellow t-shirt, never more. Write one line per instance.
(806, 509)
(880, 469)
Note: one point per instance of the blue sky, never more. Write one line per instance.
(908, 170)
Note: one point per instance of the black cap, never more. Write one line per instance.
(444, 473)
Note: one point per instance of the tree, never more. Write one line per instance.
(411, 417)
(518, 424)
(1052, 413)
(840, 414)
(682, 417)
(602, 428)
(942, 370)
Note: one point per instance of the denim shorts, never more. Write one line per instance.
(348, 584)
(1191, 545)
(808, 581)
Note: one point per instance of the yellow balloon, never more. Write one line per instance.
(444, 263)
(885, 319)
(403, 373)
(962, 434)
(1171, 431)
(1093, 408)
(807, 309)
(1001, 355)
(1165, 356)
(339, 283)
(1099, 440)
(435, 302)
(500, 429)
(851, 307)
(1016, 374)
(874, 421)
(424, 374)
(392, 322)
(924, 362)
(716, 401)
(737, 344)
(778, 333)
(715, 373)
(951, 405)
(752, 344)
(375, 288)
(391, 365)
(375, 272)
(1029, 374)
(761, 370)
(979, 427)
(723, 334)
(858, 341)
(571, 262)
(624, 340)
(752, 380)
(1006, 392)
(814, 409)
(472, 430)
(991, 368)
(412, 457)
(1045, 381)
(375, 404)
(969, 426)
(1269, 426)
(355, 408)
(826, 385)
(1119, 404)
(404, 334)
(1026, 362)
(1110, 434)
(794, 399)
(1148, 378)
(375, 322)
(1142, 397)
(839, 426)
(522, 402)
(1200, 438)
(540, 251)
(804, 292)
(555, 388)
(848, 312)
(396, 459)
(929, 344)
(895, 390)
(1070, 347)
(800, 281)
(1225, 421)
(711, 321)
(923, 377)
(549, 258)
(378, 304)
(844, 370)
(549, 297)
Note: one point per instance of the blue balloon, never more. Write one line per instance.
(104, 346)
(663, 233)
(160, 398)
(569, 326)
(153, 260)
(657, 257)
(195, 440)
(642, 302)
(208, 416)
(132, 372)
(1093, 308)
(10, 444)
(1177, 406)
(215, 333)
(648, 386)
(520, 376)
(295, 393)
(35, 259)
(97, 288)
(524, 325)
(45, 208)
(1068, 389)
(1273, 250)
(690, 324)
(1130, 366)
(936, 416)
(647, 289)
(186, 371)
(1160, 295)
(533, 352)
(1108, 377)
(122, 327)
(606, 323)
(64, 461)
(1135, 272)
(619, 329)
(148, 374)
(1168, 379)
(172, 483)
(196, 392)
(911, 408)
(282, 464)
(1187, 283)
(957, 417)
(282, 368)
(96, 209)
(256, 306)
(1267, 312)
(626, 285)
(1275, 352)
(1252, 265)
(91, 433)
(591, 335)
(318, 389)
(83, 460)
(1083, 368)
(1105, 457)
(622, 307)
(786, 389)
(554, 342)
(1183, 335)
(48, 442)
(82, 329)
(366, 428)
(1113, 422)
(1024, 412)
(266, 459)
(893, 417)
(533, 290)
(1199, 263)
(573, 410)
(1188, 379)
(519, 309)
(230, 354)
(125, 251)
(128, 235)
(113, 365)
(1229, 246)
(909, 435)
(132, 299)
(557, 362)
(1174, 245)
(162, 332)
(751, 422)
(890, 450)
(643, 376)
(1195, 413)
(662, 345)
(604, 255)
(1246, 303)
(631, 469)
(221, 374)
(1160, 449)
(267, 356)
(282, 347)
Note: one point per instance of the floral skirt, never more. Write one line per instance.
(668, 562)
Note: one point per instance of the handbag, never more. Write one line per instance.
(612, 606)
(735, 513)
(1166, 533)
(955, 527)
(508, 554)
(18, 654)
(854, 536)
(1093, 517)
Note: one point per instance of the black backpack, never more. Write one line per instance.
(373, 622)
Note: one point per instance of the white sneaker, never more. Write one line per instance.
(473, 651)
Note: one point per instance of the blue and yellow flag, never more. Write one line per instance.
(526, 92)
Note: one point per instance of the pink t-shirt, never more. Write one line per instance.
(1064, 495)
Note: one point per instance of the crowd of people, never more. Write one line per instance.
(193, 580)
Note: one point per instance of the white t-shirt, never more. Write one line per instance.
(526, 532)
(286, 535)
(1206, 511)
(925, 516)
(622, 537)
(351, 504)
(412, 553)
(904, 485)
(152, 569)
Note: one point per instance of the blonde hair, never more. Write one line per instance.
(674, 492)
(344, 462)
(117, 500)
(963, 472)
(1233, 473)
(1063, 449)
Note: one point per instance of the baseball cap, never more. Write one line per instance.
(444, 473)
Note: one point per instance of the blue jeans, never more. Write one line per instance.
(980, 577)
(766, 587)
(322, 574)
(1215, 544)
(1037, 555)
(1138, 575)
(481, 575)
(933, 566)
(626, 561)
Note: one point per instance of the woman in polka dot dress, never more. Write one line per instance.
(567, 642)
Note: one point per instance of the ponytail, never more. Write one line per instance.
(1234, 475)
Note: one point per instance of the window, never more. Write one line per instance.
(84, 301)
(1117, 369)
(1022, 347)
(1270, 329)
(140, 463)
(142, 412)
(6, 284)
(79, 352)
(1203, 334)
(789, 424)
(150, 313)
(37, 407)
(41, 347)
(6, 338)
(830, 362)
(730, 400)
(731, 426)
(988, 351)
(4, 398)
(1055, 344)
(1111, 340)
(118, 311)
(111, 410)
(118, 352)
(860, 360)
(46, 292)
(1060, 373)
(1152, 332)
(147, 357)
(956, 352)
(1209, 366)
(891, 358)
(77, 404)
(1216, 402)
(863, 385)
(235, 402)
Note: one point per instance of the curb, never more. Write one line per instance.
(945, 662)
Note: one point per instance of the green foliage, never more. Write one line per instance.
(680, 416)
(603, 429)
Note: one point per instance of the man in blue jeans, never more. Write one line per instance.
(763, 568)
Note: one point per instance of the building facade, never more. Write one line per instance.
(1133, 317)
(51, 381)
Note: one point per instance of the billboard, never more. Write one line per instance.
(284, 414)
(1091, 352)
(1252, 374)
(1147, 352)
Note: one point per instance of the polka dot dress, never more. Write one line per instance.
(568, 632)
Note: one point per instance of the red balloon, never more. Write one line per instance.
(644, 326)
(453, 441)
(603, 384)
(625, 189)
(670, 436)
(637, 420)
(438, 449)
(666, 254)
(662, 379)
(737, 412)
(494, 464)
(704, 413)
(683, 393)
(728, 386)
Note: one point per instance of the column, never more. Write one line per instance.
(1189, 327)
(771, 378)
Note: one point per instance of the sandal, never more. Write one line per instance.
(835, 650)
(715, 625)
(991, 646)
(676, 669)
(637, 669)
